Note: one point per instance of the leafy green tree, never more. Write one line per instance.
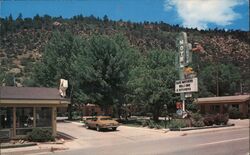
(97, 69)
(153, 81)
(19, 21)
(103, 69)
(57, 60)
(37, 22)
(9, 80)
(2, 76)
(58, 57)
(221, 79)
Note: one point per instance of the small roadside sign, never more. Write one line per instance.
(179, 112)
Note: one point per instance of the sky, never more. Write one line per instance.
(201, 14)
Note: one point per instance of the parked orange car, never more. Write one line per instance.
(102, 122)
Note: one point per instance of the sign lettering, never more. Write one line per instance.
(187, 85)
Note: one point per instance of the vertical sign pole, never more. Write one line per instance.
(183, 49)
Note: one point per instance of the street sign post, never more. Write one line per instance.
(187, 83)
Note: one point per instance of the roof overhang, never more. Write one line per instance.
(30, 102)
(223, 99)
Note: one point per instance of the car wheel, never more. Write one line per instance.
(114, 128)
(98, 128)
(87, 127)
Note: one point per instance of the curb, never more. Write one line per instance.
(77, 123)
(148, 129)
(33, 151)
(17, 145)
(198, 128)
(209, 131)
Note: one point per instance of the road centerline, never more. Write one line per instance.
(224, 141)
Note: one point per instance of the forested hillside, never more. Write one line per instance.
(23, 41)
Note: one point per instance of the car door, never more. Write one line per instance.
(92, 123)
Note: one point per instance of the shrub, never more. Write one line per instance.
(145, 123)
(198, 123)
(220, 119)
(177, 123)
(234, 113)
(157, 126)
(40, 135)
(217, 119)
(151, 124)
(208, 120)
(196, 119)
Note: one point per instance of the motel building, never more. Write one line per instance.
(223, 104)
(25, 108)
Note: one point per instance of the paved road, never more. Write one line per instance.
(128, 141)
(91, 138)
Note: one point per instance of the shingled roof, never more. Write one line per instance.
(34, 93)
(224, 99)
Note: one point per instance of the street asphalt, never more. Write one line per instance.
(130, 141)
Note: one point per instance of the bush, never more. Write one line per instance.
(220, 119)
(199, 123)
(196, 119)
(177, 123)
(208, 120)
(151, 124)
(234, 113)
(157, 126)
(40, 135)
(145, 123)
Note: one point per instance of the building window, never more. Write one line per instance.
(24, 117)
(215, 108)
(24, 120)
(6, 117)
(236, 106)
(43, 117)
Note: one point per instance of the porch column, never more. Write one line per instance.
(53, 121)
(14, 122)
(221, 109)
(34, 117)
(244, 108)
(207, 108)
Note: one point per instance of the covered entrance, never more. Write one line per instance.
(25, 108)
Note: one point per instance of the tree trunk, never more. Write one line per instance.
(156, 114)
(156, 117)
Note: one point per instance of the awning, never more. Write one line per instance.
(223, 99)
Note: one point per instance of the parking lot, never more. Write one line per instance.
(84, 138)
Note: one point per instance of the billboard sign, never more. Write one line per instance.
(186, 85)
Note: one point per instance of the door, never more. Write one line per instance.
(92, 123)
(6, 122)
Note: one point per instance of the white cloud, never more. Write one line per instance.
(199, 13)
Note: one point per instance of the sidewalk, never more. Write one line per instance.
(40, 148)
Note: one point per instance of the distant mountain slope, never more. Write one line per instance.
(23, 40)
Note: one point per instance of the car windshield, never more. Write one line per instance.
(105, 118)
